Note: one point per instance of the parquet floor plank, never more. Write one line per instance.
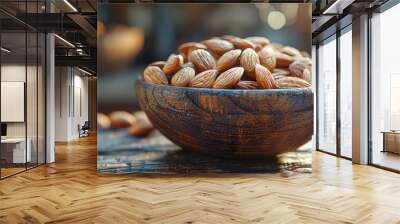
(70, 191)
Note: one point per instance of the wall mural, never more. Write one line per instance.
(204, 88)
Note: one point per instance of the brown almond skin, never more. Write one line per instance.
(292, 82)
(173, 64)
(296, 69)
(281, 71)
(307, 75)
(185, 47)
(121, 119)
(240, 43)
(246, 85)
(204, 79)
(202, 60)
(228, 60)
(188, 64)
(228, 37)
(154, 75)
(261, 41)
(182, 77)
(218, 46)
(264, 78)
(229, 78)
(283, 60)
(141, 128)
(248, 61)
(267, 58)
(291, 51)
(159, 64)
(103, 121)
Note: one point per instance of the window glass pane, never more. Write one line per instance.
(385, 89)
(31, 97)
(327, 97)
(346, 94)
(41, 98)
(14, 153)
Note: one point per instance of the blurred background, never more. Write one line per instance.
(131, 36)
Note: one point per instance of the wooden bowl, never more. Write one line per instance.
(230, 123)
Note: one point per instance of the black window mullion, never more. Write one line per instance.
(0, 98)
(317, 96)
(37, 90)
(369, 96)
(338, 81)
(26, 87)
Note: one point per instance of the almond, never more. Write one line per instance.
(278, 76)
(264, 78)
(240, 43)
(182, 77)
(307, 75)
(229, 78)
(188, 64)
(121, 119)
(228, 37)
(276, 46)
(154, 75)
(283, 60)
(103, 121)
(258, 48)
(228, 60)
(190, 46)
(267, 58)
(248, 61)
(141, 128)
(205, 79)
(202, 60)
(292, 82)
(218, 46)
(246, 85)
(291, 51)
(159, 64)
(305, 54)
(296, 69)
(260, 41)
(173, 64)
(281, 71)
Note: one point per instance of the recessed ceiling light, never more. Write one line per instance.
(84, 71)
(65, 41)
(70, 5)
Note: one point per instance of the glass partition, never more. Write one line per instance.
(31, 97)
(22, 78)
(14, 151)
(385, 89)
(327, 96)
(346, 93)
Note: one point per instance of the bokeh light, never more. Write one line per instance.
(276, 20)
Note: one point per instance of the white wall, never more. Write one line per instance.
(71, 102)
(16, 73)
(33, 126)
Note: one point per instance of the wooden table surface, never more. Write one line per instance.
(119, 152)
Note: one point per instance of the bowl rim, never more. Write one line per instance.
(291, 90)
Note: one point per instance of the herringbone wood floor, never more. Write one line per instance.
(70, 191)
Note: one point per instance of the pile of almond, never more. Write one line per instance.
(138, 124)
(230, 62)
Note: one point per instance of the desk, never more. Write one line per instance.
(391, 141)
(16, 147)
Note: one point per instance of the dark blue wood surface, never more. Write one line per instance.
(121, 153)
